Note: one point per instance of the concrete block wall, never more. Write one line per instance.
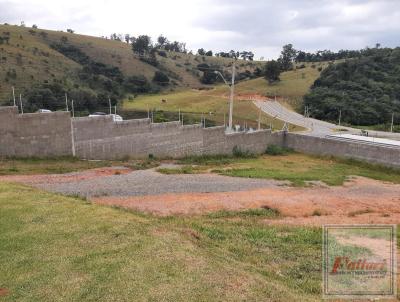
(34, 134)
(162, 140)
(101, 138)
(323, 146)
(86, 128)
(215, 141)
(49, 134)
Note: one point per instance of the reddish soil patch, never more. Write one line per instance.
(3, 292)
(251, 97)
(68, 177)
(358, 201)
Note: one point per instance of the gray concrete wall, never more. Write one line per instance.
(49, 134)
(324, 146)
(34, 134)
(101, 138)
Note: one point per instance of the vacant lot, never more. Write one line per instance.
(59, 248)
(56, 248)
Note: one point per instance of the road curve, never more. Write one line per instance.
(313, 126)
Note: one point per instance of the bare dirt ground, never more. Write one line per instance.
(359, 200)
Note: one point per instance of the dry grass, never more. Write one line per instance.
(39, 63)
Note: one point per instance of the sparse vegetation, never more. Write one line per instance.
(277, 150)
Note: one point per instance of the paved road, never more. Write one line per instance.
(314, 127)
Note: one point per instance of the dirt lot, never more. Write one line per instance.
(359, 200)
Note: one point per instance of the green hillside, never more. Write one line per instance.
(363, 90)
(33, 58)
(213, 103)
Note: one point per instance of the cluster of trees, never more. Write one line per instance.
(203, 52)
(366, 89)
(97, 83)
(289, 55)
(273, 69)
(327, 55)
(245, 55)
(144, 45)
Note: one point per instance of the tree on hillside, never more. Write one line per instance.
(287, 57)
(69, 30)
(247, 55)
(116, 37)
(209, 53)
(127, 38)
(161, 78)
(141, 45)
(272, 71)
(201, 52)
(161, 40)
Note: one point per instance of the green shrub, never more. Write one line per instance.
(237, 152)
(277, 150)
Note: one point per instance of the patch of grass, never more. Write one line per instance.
(360, 212)
(207, 160)
(60, 165)
(299, 169)
(56, 248)
(264, 212)
(239, 153)
(317, 212)
(57, 165)
(180, 170)
(277, 150)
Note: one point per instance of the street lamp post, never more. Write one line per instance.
(232, 93)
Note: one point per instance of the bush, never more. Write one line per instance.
(237, 152)
(161, 78)
(162, 53)
(277, 150)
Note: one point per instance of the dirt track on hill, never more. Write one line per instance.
(359, 200)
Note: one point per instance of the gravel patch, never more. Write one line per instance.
(150, 182)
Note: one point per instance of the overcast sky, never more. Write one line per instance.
(262, 26)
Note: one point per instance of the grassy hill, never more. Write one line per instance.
(213, 103)
(27, 59)
(364, 91)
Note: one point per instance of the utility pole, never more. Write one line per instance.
(340, 116)
(73, 111)
(391, 126)
(66, 102)
(259, 118)
(20, 102)
(109, 104)
(15, 104)
(231, 96)
(115, 109)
